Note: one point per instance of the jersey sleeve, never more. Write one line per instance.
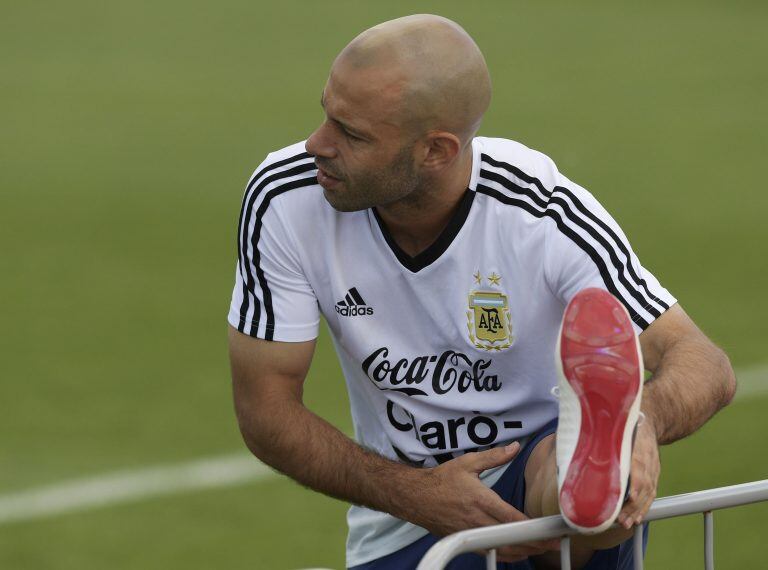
(585, 247)
(272, 298)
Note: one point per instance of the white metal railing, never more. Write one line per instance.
(492, 537)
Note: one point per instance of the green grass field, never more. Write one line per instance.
(127, 132)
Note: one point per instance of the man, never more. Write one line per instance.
(443, 263)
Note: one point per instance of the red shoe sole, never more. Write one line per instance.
(601, 363)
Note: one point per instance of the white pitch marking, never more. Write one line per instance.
(752, 382)
(226, 471)
(127, 486)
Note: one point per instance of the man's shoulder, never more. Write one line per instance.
(516, 160)
(284, 198)
(292, 150)
(286, 174)
(282, 160)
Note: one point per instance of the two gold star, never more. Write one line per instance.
(493, 279)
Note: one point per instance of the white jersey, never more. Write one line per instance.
(450, 351)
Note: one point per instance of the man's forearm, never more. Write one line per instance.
(693, 380)
(308, 449)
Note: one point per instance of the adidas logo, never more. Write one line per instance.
(353, 305)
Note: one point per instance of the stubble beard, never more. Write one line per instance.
(397, 181)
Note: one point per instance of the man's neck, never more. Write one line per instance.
(416, 222)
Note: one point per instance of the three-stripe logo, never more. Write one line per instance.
(352, 305)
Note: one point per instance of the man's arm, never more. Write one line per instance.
(268, 380)
(692, 379)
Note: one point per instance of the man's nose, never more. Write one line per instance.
(320, 143)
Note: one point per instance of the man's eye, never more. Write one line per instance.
(351, 136)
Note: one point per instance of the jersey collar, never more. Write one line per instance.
(433, 252)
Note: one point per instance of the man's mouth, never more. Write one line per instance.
(327, 180)
(326, 172)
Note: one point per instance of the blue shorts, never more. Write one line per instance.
(511, 487)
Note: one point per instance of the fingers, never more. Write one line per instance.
(645, 493)
(637, 507)
(483, 460)
(644, 480)
(632, 509)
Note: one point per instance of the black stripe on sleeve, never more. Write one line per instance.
(253, 180)
(573, 236)
(246, 211)
(555, 198)
(619, 242)
(269, 332)
(528, 179)
(622, 268)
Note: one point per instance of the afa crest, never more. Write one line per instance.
(488, 318)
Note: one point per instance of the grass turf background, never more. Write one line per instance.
(127, 132)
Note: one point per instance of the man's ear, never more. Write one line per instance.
(441, 149)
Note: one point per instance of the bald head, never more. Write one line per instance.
(401, 104)
(428, 68)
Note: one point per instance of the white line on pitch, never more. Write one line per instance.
(753, 381)
(224, 471)
(127, 486)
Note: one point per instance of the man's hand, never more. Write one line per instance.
(644, 475)
(455, 499)
(692, 379)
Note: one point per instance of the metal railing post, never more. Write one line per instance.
(490, 560)
(637, 547)
(565, 553)
(709, 541)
